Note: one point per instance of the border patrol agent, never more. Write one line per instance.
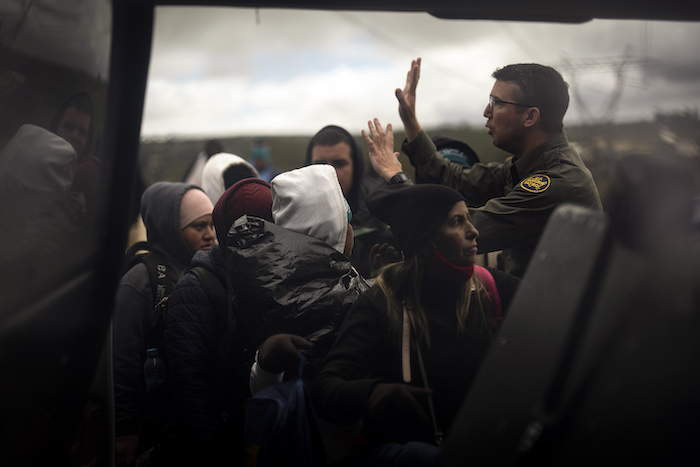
(510, 202)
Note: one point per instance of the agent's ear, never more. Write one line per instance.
(349, 242)
(531, 117)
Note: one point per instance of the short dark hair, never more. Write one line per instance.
(83, 104)
(542, 87)
(330, 136)
(80, 102)
(237, 172)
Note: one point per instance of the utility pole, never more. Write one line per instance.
(619, 66)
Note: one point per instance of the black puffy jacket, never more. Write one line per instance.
(284, 281)
(207, 378)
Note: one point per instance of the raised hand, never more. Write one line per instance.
(380, 256)
(380, 145)
(407, 101)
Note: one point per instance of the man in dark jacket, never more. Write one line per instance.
(510, 202)
(207, 376)
(333, 145)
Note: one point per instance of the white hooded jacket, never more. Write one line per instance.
(213, 174)
(36, 160)
(310, 201)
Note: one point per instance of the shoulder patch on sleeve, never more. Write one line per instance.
(536, 183)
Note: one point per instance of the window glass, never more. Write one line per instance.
(271, 78)
(54, 66)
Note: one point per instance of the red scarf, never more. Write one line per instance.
(437, 263)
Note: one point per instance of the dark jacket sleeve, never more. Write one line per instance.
(504, 220)
(517, 218)
(133, 303)
(341, 389)
(477, 183)
(193, 327)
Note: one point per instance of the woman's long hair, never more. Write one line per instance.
(401, 285)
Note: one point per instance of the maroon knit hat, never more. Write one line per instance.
(251, 196)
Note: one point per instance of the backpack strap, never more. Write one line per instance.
(135, 248)
(162, 286)
(131, 258)
(486, 278)
(406, 364)
(406, 347)
(157, 320)
(159, 276)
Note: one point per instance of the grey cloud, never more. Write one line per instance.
(295, 46)
(678, 72)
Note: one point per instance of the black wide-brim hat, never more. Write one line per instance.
(414, 212)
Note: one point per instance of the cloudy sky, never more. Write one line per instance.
(230, 71)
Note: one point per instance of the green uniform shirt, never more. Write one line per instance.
(510, 203)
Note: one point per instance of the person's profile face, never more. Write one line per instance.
(505, 124)
(200, 234)
(339, 156)
(74, 128)
(456, 238)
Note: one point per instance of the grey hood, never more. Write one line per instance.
(36, 160)
(160, 210)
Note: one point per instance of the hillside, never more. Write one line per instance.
(675, 136)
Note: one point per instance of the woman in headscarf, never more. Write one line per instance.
(178, 220)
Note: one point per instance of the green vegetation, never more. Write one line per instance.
(675, 136)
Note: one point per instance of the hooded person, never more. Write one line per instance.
(294, 276)
(207, 374)
(178, 223)
(223, 170)
(422, 329)
(455, 150)
(323, 215)
(46, 218)
(74, 122)
(333, 145)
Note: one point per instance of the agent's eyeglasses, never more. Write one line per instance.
(493, 101)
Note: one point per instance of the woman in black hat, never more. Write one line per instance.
(410, 346)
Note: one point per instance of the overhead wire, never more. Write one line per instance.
(388, 40)
(521, 41)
